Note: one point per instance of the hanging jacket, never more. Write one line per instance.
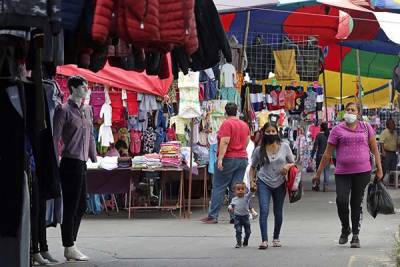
(102, 20)
(31, 13)
(71, 12)
(211, 37)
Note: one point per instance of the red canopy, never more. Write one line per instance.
(115, 77)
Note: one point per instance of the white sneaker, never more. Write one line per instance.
(73, 254)
(46, 255)
(37, 258)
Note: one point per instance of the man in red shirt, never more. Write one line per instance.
(233, 137)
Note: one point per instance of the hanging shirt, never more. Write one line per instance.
(277, 98)
(97, 99)
(320, 98)
(232, 95)
(106, 114)
(310, 103)
(180, 124)
(147, 102)
(132, 103)
(117, 106)
(290, 99)
(228, 75)
(189, 104)
(257, 98)
(105, 136)
(285, 64)
(299, 102)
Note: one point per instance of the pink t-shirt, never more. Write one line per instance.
(352, 149)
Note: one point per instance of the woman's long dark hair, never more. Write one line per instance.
(325, 129)
(263, 147)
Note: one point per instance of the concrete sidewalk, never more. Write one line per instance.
(309, 237)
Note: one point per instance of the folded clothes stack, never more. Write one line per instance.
(153, 161)
(139, 162)
(109, 163)
(124, 162)
(94, 165)
(171, 154)
(173, 147)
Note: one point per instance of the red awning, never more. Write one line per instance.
(115, 77)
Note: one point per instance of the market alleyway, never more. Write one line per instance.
(309, 236)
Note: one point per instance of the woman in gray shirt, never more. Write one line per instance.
(269, 167)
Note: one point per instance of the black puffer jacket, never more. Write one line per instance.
(30, 13)
(212, 40)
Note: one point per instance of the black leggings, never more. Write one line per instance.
(73, 184)
(353, 186)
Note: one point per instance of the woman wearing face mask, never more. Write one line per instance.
(353, 169)
(272, 160)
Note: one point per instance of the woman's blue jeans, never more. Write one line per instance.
(265, 193)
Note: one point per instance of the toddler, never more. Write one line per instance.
(240, 207)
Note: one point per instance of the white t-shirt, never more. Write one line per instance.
(106, 114)
(228, 75)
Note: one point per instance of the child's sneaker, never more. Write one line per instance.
(238, 245)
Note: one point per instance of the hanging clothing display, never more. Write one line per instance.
(231, 95)
(310, 102)
(147, 102)
(132, 103)
(260, 60)
(228, 75)
(276, 97)
(290, 99)
(189, 104)
(117, 106)
(285, 64)
(299, 100)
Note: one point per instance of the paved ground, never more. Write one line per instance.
(309, 236)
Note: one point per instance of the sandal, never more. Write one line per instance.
(276, 243)
(263, 246)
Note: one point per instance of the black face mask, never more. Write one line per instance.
(270, 138)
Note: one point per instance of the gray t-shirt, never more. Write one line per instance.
(271, 174)
(241, 204)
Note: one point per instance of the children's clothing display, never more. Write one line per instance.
(228, 75)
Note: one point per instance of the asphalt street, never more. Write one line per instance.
(309, 237)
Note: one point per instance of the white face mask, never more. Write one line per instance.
(350, 118)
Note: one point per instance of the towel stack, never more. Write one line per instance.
(171, 154)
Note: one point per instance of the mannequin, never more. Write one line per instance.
(73, 124)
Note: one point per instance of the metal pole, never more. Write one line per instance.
(341, 78)
(359, 80)
(325, 98)
(190, 168)
(246, 36)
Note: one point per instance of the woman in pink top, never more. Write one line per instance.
(353, 168)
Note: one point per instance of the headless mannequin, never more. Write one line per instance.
(74, 119)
